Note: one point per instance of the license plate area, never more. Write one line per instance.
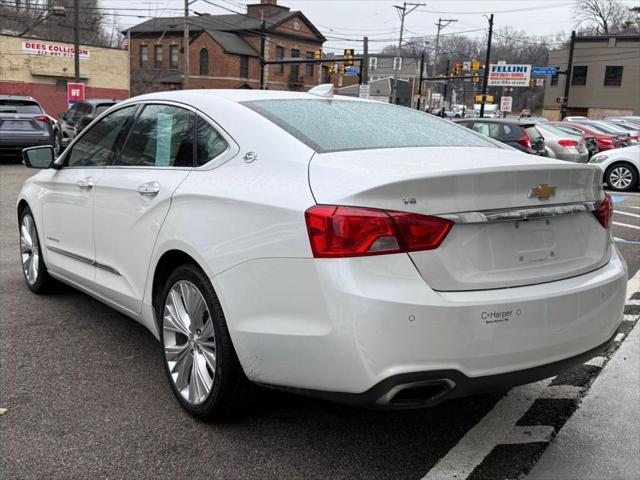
(533, 241)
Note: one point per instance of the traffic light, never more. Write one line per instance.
(343, 68)
(475, 66)
(332, 68)
(532, 83)
(348, 56)
(456, 69)
(317, 55)
(476, 78)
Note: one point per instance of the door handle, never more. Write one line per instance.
(150, 189)
(85, 183)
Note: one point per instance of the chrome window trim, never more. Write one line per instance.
(520, 214)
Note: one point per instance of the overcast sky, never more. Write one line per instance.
(345, 22)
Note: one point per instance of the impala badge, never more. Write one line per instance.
(542, 192)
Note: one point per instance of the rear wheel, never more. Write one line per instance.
(33, 267)
(200, 361)
(622, 177)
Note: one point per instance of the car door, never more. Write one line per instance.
(133, 198)
(68, 196)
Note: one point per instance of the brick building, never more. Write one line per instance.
(224, 50)
(41, 68)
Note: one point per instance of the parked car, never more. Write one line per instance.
(349, 249)
(604, 141)
(632, 119)
(632, 129)
(23, 123)
(623, 135)
(491, 110)
(621, 167)
(563, 146)
(574, 118)
(80, 115)
(515, 133)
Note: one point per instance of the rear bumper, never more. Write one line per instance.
(16, 143)
(350, 325)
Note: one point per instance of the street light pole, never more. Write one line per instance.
(485, 76)
(403, 14)
(567, 78)
(442, 23)
(185, 46)
(76, 40)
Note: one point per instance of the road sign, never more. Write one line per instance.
(363, 91)
(351, 72)
(466, 66)
(506, 103)
(75, 92)
(475, 65)
(544, 71)
(539, 82)
(506, 75)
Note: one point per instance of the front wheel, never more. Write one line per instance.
(621, 177)
(200, 361)
(33, 267)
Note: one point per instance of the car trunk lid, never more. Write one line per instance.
(487, 247)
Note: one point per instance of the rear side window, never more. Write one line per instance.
(339, 125)
(489, 129)
(533, 132)
(161, 137)
(103, 107)
(209, 142)
(95, 147)
(19, 106)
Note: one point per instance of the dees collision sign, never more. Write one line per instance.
(506, 75)
(49, 49)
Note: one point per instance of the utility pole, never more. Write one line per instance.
(446, 84)
(76, 40)
(263, 43)
(403, 13)
(185, 46)
(442, 23)
(485, 77)
(365, 61)
(567, 78)
(421, 79)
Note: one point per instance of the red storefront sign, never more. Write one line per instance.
(75, 92)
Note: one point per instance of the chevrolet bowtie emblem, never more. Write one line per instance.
(542, 192)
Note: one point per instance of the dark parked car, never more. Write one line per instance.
(515, 133)
(23, 123)
(80, 115)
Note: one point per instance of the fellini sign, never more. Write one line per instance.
(49, 49)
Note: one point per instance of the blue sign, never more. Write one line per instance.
(544, 71)
(351, 72)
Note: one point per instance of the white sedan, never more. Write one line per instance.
(621, 167)
(348, 249)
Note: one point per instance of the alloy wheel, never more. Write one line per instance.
(29, 249)
(189, 342)
(621, 177)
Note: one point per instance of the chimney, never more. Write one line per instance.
(266, 8)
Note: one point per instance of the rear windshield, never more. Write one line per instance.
(19, 106)
(103, 107)
(339, 125)
(533, 132)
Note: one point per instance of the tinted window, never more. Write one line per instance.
(210, 142)
(579, 76)
(489, 129)
(103, 107)
(613, 76)
(95, 147)
(336, 125)
(161, 137)
(19, 106)
(533, 132)
(83, 109)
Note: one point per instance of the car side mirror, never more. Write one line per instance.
(62, 115)
(38, 157)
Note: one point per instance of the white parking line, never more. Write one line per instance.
(635, 227)
(620, 212)
(529, 434)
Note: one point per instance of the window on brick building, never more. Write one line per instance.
(144, 56)
(308, 67)
(279, 56)
(295, 68)
(244, 66)
(204, 61)
(173, 56)
(157, 55)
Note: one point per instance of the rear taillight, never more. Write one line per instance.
(337, 231)
(604, 213)
(568, 143)
(43, 118)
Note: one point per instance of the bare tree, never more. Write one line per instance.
(601, 17)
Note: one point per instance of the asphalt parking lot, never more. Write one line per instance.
(86, 397)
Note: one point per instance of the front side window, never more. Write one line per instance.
(279, 56)
(209, 142)
(579, 76)
(204, 61)
(95, 147)
(173, 56)
(244, 66)
(339, 125)
(613, 76)
(157, 49)
(161, 137)
(144, 56)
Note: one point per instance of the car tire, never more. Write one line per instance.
(621, 177)
(199, 358)
(33, 267)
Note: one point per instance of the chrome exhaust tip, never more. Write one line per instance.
(417, 394)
